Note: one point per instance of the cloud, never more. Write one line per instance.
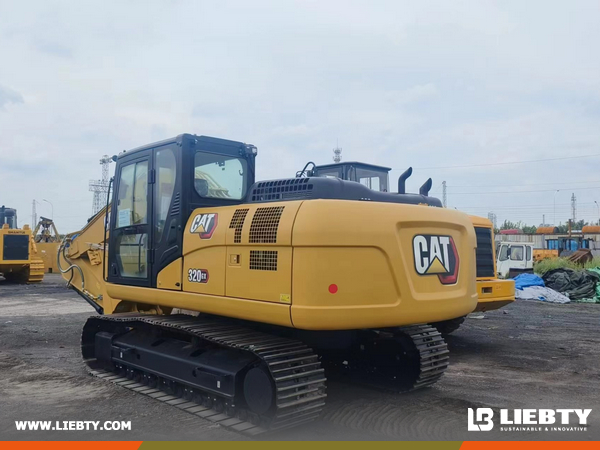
(54, 49)
(422, 84)
(414, 94)
(8, 95)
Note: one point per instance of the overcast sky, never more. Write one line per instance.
(425, 84)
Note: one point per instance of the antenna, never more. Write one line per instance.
(337, 153)
(100, 187)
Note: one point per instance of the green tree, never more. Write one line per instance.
(529, 229)
(579, 224)
(508, 225)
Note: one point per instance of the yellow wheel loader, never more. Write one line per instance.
(493, 293)
(19, 260)
(292, 279)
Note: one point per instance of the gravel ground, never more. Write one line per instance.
(527, 355)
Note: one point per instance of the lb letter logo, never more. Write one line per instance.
(483, 415)
(436, 255)
(205, 225)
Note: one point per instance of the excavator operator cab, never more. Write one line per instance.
(156, 188)
(370, 175)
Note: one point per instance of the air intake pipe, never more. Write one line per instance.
(424, 190)
(402, 180)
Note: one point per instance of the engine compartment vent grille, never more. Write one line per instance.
(237, 222)
(290, 188)
(263, 260)
(265, 222)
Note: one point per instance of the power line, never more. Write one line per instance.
(521, 192)
(530, 184)
(506, 163)
(524, 206)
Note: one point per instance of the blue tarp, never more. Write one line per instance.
(528, 279)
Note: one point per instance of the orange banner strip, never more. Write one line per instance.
(529, 445)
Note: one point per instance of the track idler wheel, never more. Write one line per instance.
(259, 391)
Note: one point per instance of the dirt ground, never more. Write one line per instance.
(527, 355)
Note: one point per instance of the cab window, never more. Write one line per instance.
(220, 176)
(503, 253)
(373, 179)
(528, 253)
(132, 205)
(165, 185)
(516, 253)
(328, 173)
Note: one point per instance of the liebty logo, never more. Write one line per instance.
(205, 225)
(436, 255)
(481, 419)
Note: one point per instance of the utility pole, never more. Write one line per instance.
(543, 220)
(444, 200)
(554, 221)
(33, 215)
(492, 218)
(574, 208)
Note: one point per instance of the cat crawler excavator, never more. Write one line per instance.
(292, 279)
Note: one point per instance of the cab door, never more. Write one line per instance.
(167, 215)
(503, 261)
(517, 256)
(129, 240)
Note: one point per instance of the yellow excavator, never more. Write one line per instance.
(493, 292)
(19, 260)
(290, 281)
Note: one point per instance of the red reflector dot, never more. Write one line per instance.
(333, 288)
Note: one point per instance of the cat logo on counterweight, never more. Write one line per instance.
(436, 255)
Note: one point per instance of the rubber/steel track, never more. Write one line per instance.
(399, 359)
(395, 359)
(432, 351)
(299, 380)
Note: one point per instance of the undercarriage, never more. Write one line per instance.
(244, 378)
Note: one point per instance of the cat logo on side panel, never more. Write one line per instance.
(205, 225)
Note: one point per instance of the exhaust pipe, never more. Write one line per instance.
(402, 180)
(424, 190)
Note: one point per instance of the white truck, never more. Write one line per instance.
(514, 258)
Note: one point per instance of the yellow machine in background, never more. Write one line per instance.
(291, 277)
(492, 292)
(19, 261)
(47, 241)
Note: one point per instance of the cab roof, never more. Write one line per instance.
(353, 163)
(179, 139)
